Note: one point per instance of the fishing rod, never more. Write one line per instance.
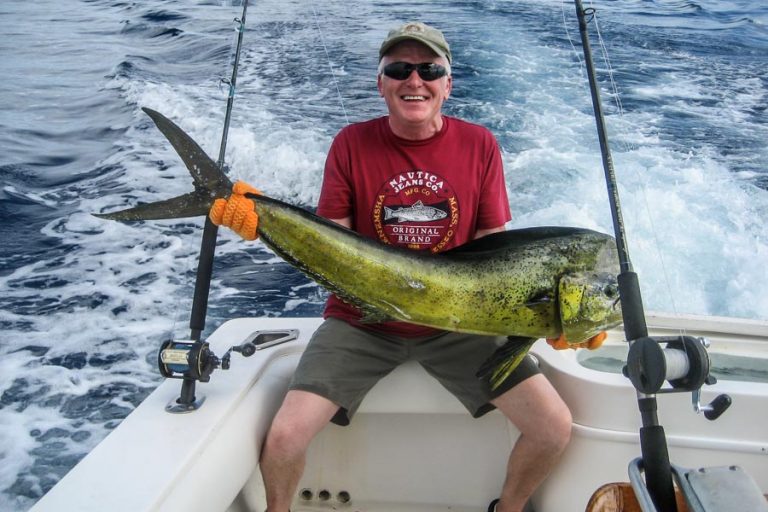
(193, 361)
(208, 244)
(684, 363)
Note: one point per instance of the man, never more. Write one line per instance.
(422, 180)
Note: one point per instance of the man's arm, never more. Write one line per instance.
(346, 222)
(480, 233)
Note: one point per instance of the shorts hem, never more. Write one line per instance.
(341, 417)
(527, 369)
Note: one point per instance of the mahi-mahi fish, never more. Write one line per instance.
(525, 284)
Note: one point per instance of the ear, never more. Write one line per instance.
(448, 87)
(379, 85)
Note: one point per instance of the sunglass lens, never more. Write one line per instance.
(431, 71)
(399, 70)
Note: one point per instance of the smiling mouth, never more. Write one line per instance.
(412, 97)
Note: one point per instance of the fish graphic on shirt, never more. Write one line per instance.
(417, 212)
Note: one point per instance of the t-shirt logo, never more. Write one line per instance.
(416, 213)
(416, 209)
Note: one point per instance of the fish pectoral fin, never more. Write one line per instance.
(535, 307)
(192, 204)
(536, 302)
(373, 316)
(504, 360)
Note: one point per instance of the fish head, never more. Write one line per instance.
(588, 303)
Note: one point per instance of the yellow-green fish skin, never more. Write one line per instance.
(505, 284)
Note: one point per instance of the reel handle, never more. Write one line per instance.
(715, 408)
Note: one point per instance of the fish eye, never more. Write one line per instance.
(611, 291)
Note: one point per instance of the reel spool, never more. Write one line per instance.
(188, 359)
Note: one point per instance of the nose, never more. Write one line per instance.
(414, 78)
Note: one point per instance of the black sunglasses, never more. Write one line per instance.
(427, 71)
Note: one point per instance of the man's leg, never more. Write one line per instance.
(300, 418)
(544, 421)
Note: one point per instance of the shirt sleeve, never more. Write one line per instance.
(336, 192)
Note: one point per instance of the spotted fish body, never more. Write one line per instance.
(503, 284)
(530, 283)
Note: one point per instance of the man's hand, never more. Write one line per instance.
(237, 212)
(592, 343)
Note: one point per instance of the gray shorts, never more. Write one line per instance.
(342, 363)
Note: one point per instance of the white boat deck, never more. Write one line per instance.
(412, 446)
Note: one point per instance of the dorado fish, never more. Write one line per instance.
(527, 283)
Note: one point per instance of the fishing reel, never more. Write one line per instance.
(189, 359)
(683, 362)
(193, 361)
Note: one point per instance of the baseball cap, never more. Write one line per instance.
(417, 31)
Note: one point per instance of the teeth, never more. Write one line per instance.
(413, 98)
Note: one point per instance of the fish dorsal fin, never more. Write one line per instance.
(418, 204)
(515, 238)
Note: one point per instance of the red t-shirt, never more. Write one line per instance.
(427, 195)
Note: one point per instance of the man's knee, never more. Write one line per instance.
(299, 419)
(285, 436)
(554, 429)
(537, 410)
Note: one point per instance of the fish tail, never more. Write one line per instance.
(209, 180)
(500, 365)
(388, 213)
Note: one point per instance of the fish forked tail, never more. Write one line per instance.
(503, 362)
(209, 180)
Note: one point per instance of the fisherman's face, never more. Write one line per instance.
(414, 104)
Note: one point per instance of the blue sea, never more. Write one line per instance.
(85, 303)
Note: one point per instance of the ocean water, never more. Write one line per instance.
(85, 303)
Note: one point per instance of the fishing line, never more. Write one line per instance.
(330, 64)
(626, 146)
(604, 51)
(629, 147)
(570, 40)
